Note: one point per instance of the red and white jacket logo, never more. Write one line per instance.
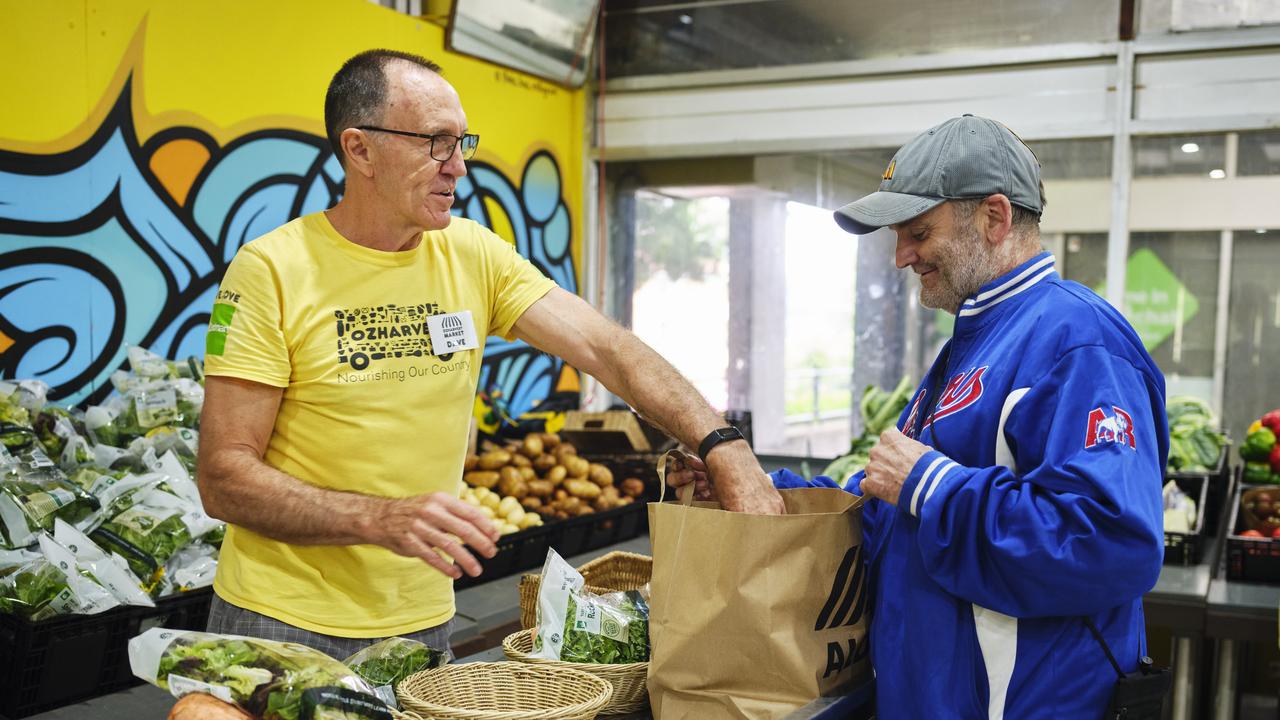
(1103, 428)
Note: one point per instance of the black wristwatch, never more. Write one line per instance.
(717, 436)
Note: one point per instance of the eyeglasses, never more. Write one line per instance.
(443, 145)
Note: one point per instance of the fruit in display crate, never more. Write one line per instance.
(1260, 512)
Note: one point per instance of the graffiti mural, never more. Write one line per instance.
(116, 242)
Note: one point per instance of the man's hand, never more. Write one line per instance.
(425, 526)
(740, 484)
(891, 461)
(749, 491)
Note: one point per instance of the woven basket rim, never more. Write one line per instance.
(425, 708)
(517, 654)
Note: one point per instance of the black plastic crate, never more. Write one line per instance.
(516, 552)
(1219, 480)
(72, 658)
(1250, 559)
(1188, 548)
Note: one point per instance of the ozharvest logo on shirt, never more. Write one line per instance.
(369, 334)
(1104, 429)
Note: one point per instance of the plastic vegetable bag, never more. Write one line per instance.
(52, 583)
(271, 680)
(33, 493)
(385, 664)
(143, 407)
(576, 625)
(192, 567)
(152, 517)
(108, 570)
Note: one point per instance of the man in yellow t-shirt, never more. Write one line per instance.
(342, 359)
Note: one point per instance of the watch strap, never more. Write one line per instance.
(717, 436)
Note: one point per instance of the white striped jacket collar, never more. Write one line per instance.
(1009, 285)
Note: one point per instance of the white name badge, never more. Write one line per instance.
(452, 332)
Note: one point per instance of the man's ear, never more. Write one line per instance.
(995, 218)
(358, 150)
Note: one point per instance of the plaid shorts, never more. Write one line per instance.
(228, 619)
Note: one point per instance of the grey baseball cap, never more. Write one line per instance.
(964, 157)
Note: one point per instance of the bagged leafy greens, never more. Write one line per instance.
(33, 493)
(271, 680)
(577, 625)
(142, 407)
(384, 664)
(51, 583)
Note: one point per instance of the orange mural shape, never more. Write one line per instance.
(177, 164)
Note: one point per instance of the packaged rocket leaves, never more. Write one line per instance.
(386, 663)
(577, 625)
(271, 680)
(33, 492)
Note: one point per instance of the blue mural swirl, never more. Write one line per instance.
(96, 253)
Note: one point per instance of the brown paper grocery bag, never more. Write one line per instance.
(752, 616)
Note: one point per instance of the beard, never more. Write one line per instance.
(963, 265)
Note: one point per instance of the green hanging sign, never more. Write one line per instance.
(1156, 302)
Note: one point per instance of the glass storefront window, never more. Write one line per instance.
(1171, 298)
(1253, 334)
(1259, 153)
(1182, 155)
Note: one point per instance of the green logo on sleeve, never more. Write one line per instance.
(215, 341)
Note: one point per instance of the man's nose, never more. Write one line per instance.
(905, 253)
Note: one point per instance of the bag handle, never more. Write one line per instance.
(1088, 622)
(685, 494)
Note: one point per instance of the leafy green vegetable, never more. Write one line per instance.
(145, 539)
(609, 629)
(879, 410)
(34, 591)
(1195, 444)
(394, 659)
(31, 482)
(272, 680)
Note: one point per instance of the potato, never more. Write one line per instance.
(488, 446)
(481, 478)
(577, 467)
(564, 450)
(515, 516)
(599, 474)
(562, 515)
(550, 441)
(532, 446)
(584, 509)
(632, 487)
(494, 459)
(527, 474)
(544, 462)
(541, 488)
(626, 500)
(488, 511)
(470, 462)
(521, 461)
(530, 520)
(561, 494)
(582, 488)
(202, 706)
(513, 488)
(557, 474)
(531, 503)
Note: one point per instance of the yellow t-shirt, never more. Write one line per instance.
(367, 406)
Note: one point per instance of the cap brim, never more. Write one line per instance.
(881, 209)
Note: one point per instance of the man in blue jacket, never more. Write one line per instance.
(1018, 499)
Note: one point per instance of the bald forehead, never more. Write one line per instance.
(416, 94)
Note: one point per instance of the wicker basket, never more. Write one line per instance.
(613, 572)
(630, 693)
(503, 691)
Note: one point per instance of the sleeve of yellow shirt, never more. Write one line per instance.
(517, 284)
(246, 336)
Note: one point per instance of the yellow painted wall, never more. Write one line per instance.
(136, 137)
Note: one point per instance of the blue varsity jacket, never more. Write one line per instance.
(1038, 504)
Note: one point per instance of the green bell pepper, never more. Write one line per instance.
(1257, 446)
(1257, 472)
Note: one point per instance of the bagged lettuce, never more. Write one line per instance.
(108, 570)
(384, 664)
(142, 408)
(33, 493)
(52, 583)
(149, 521)
(271, 680)
(577, 625)
(194, 566)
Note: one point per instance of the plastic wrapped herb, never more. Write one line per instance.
(576, 625)
(271, 680)
(33, 493)
(385, 664)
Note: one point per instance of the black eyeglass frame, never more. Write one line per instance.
(458, 140)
